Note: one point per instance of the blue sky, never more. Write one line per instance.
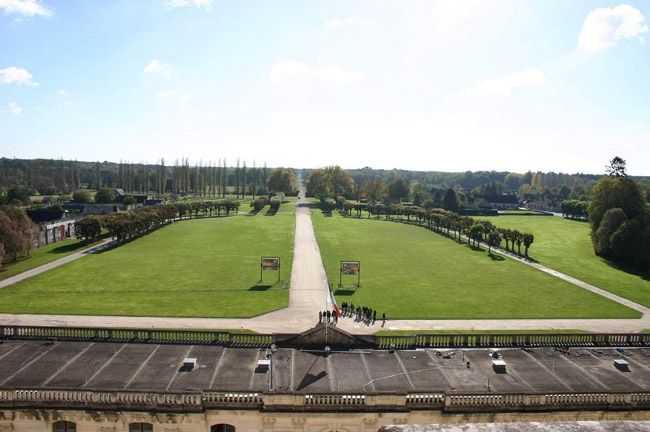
(427, 85)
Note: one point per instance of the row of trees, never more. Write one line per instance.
(334, 182)
(15, 232)
(575, 209)
(214, 178)
(207, 208)
(476, 231)
(125, 225)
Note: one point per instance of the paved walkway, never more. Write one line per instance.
(45, 267)
(308, 295)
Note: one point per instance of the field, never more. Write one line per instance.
(411, 272)
(565, 245)
(41, 256)
(198, 268)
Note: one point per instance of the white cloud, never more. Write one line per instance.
(25, 7)
(14, 108)
(530, 77)
(289, 70)
(349, 21)
(174, 95)
(16, 75)
(206, 4)
(603, 27)
(156, 66)
(11, 108)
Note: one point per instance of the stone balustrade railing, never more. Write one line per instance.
(197, 401)
(207, 337)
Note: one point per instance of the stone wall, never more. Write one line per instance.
(255, 421)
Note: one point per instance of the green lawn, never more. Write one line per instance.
(195, 268)
(41, 256)
(411, 272)
(523, 212)
(565, 245)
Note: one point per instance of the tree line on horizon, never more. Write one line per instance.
(216, 178)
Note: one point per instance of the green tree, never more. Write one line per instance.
(374, 189)
(513, 181)
(493, 239)
(15, 231)
(611, 222)
(450, 200)
(615, 192)
(528, 241)
(616, 167)
(317, 183)
(282, 180)
(398, 190)
(105, 196)
(18, 194)
(89, 228)
(340, 180)
(81, 197)
(331, 180)
(129, 200)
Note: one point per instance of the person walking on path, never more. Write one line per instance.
(320, 317)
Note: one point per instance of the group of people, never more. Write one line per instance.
(328, 316)
(362, 313)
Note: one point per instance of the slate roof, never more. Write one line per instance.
(151, 367)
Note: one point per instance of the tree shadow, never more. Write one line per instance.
(495, 257)
(69, 248)
(345, 292)
(626, 268)
(476, 248)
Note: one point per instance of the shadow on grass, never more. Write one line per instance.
(69, 248)
(495, 257)
(627, 269)
(345, 292)
(260, 287)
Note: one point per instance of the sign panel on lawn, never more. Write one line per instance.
(270, 263)
(350, 268)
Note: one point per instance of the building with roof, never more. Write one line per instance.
(64, 379)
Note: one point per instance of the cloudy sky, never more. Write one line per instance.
(428, 85)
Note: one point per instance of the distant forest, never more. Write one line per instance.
(51, 177)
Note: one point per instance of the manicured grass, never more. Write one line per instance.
(523, 212)
(41, 256)
(411, 272)
(289, 207)
(565, 245)
(412, 332)
(194, 268)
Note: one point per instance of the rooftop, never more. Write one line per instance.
(159, 368)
